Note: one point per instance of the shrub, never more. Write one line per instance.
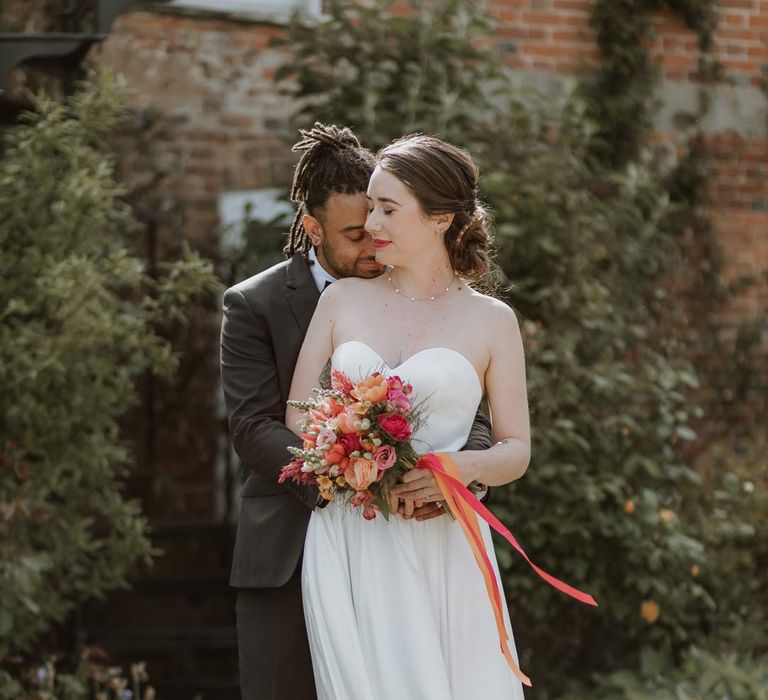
(701, 675)
(79, 322)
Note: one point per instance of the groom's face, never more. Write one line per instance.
(343, 246)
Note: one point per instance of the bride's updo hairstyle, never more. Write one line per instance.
(443, 179)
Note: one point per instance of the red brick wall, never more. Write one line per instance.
(211, 82)
(556, 35)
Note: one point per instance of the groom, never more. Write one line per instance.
(265, 320)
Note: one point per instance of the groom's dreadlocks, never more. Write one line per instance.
(332, 161)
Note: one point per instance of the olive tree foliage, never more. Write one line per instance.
(80, 321)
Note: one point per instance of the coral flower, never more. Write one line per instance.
(347, 422)
(364, 498)
(372, 389)
(341, 382)
(361, 473)
(335, 454)
(333, 407)
(317, 415)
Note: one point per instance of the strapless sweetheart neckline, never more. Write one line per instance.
(415, 355)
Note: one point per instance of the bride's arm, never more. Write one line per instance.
(505, 387)
(314, 354)
(508, 459)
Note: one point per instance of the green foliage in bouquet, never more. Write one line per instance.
(587, 249)
(80, 321)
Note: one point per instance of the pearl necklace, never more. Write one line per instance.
(432, 298)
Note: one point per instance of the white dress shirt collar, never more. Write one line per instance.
(319, 273)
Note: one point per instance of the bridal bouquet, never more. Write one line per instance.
(357, 440)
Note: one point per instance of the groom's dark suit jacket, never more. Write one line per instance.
(265, 320)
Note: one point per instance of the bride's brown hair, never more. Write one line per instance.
(443, 178)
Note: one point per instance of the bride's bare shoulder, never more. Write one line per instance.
(491, 309)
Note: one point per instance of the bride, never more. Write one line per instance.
(398, 608)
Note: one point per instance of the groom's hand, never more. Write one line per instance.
(428, 511)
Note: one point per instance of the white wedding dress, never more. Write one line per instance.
(398, 609)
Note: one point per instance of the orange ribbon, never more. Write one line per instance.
(465, 507)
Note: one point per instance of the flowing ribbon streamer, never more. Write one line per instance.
(465, 507)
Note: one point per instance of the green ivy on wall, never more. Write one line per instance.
(622, 89)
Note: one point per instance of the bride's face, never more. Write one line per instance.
(399, 229)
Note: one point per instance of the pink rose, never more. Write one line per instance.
(400, 402)
(394, 383)
(397, 426)
(360, 473)
(325, 437)
(385, 456)
(351, 442)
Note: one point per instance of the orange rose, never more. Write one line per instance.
(333, 407)
(373, 389)
(347, 421)
(361, 473)
(335, 454)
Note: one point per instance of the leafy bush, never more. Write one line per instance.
(586, 251)
(92, 677)
(701, 675)
(731, 512)
(79, 322)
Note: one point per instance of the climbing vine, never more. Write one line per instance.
(622, 89)
(622, 104)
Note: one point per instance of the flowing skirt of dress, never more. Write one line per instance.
(398, 610)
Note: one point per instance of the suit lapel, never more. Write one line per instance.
(302, 292)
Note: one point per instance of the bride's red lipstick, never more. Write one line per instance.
(379, 243)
